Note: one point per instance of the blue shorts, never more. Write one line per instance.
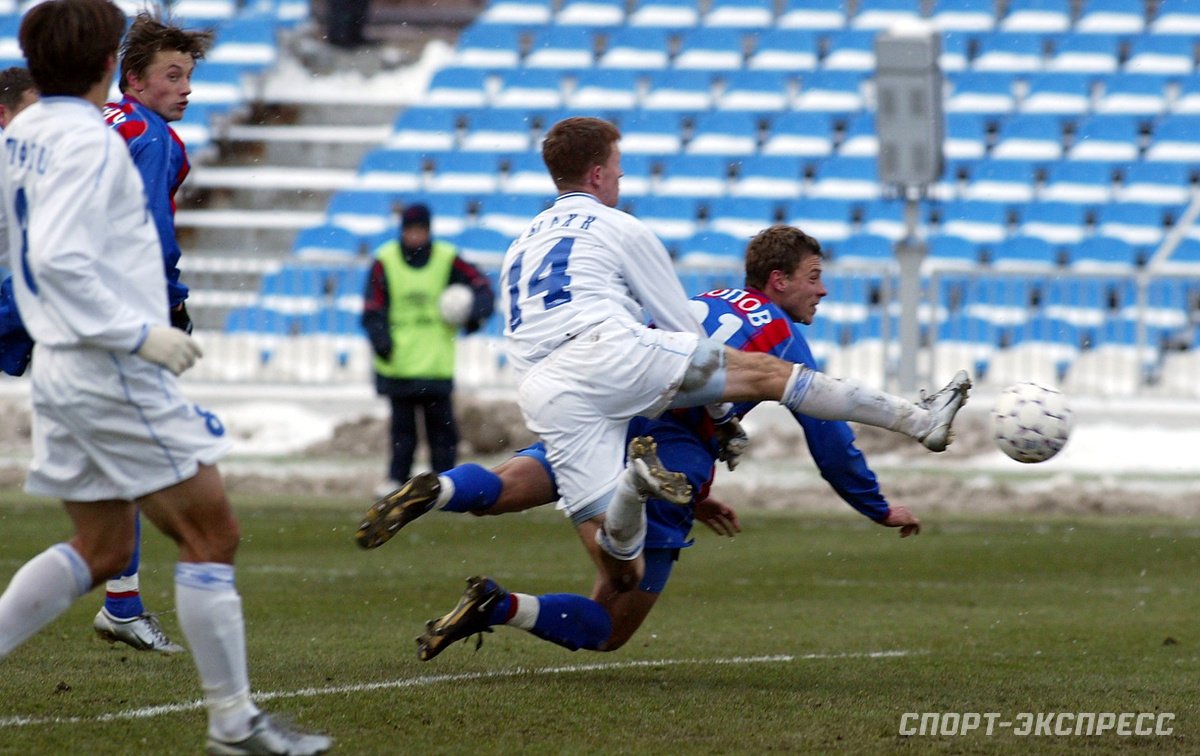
(667, 525)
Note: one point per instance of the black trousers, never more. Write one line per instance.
(441, 433)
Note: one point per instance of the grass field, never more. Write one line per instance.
(801, 635)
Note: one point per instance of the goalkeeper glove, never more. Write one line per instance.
(733, 442)
(169, 347)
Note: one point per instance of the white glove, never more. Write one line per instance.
(169, 347)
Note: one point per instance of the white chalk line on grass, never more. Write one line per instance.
(426, 680)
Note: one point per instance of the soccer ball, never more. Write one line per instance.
(455, 304)
(1030, 422)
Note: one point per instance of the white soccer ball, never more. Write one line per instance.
(455, 304)
(1030, 422)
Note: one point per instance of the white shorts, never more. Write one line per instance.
(580, 398)
(113, 426)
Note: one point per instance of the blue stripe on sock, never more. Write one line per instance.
(79, 569)
(207, 576)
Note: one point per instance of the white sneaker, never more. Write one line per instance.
(653, 480)
(270, 736)
(142, 632)
(943, 406)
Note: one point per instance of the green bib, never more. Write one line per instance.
(422, 343)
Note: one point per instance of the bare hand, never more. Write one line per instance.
(903, 518)
(720, 518)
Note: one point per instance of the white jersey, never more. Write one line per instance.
(85, 255)
(581, 263)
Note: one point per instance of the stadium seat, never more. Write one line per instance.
(1058, 223)
(1187, 252)
(427, 129)
(464, 173)
(955, 48)
(510, 214)
(756, 15)
(653, 133)
(1160, 54)
(963, 340)
(392, 170)
(483, 246)
(457, 88)
(861, 138)
(516, 12)
(1158, 183)
(672, 218)
(1088, 183)
(1134, 94)
(880, 15)
(965, 136)
(327, 242)
(963, 16)
(450, 213)
(1111, 17)
(711, 249)
(1117, 363)
(1104, 253)
(1085, 53)
(867, 353)
(1010, 53)
(850, 50)
(528, 89)
(782, 49)
(1106, 138)
(1039, 16)
(1058, 94)
(1041, 350)
(743, 217)
(247, 40)
(824, 15)
(605, 89)
(953, 252)
(562, 48)
(218, 84)
(527, 174)
(1176, 138)
(756, 91)
(980, 92)
(710, 49)
(839, 91)
(1024, 252)
(593, 14)
(497, 131)
(297, 289)
(363, 212)
(1029, 137)
(193, 14)
(767, 176)
(849, 178)
(666, 14)
(866, 248)
(724, 133)
(1085, 302)
(1187, 99)
(886, 217)
(1176, 17)
(800, 134)
(679, 90)
(827, 220)
(693, 176)
(639, 172)
(978, 221)
(1001, 181)
(1139, 224)
(488, 46)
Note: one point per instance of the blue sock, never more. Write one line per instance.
(572, 621)
(475, 487)
(125, 602)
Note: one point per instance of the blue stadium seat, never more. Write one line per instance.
(966, 136)
(449, 210)
(642, 49)
(516, 12)
(392, 170)
(605, 89)
(1029, 137)
(743, 217)
(1106, 138)
(428, 129)
(710, 49)
(363, 212)
(1187, 253)
(866, 248)
(457, 88)
(953, 252)
(218, 84)
(638, 173)
(756, 91)
(781, 49)
(1058, 93)
(260, 320)
(195, 14)
(646, 132)
(510, 214)
(1139, 224)
(529, 89)
(693, 176)
(489, 46)
(1089, 183)
(1111, 17)
(886, 217)
(1187, 100)
(1024, 251)
(1176, 138)
(248, 40)
(828, 220)
(756, 15)
(327, 242)
(824, 15)
(497, 131)
(850, 50)
(800, 134)
(562, 48)
(1104, 253)
(669, 217)
(1134, 94)
(593, 14)
(978, 221)
(711, 249)
(956, 46)
(1160, 54)
(527, 174)
(483, 246)
(1085, 53)
(768, 176)
(849, 178)
(475, 173)
(1176, 17)
(1002, 181)
(665, 14)
(879, 15)
(724, 133)
(1011, 52)
(860, 139)
(980, 92)
(839, 91)
(963, 16)
(679, 90)
(1038, 16)
(1056, 222)
(1158, 183)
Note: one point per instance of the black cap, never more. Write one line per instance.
(415, 215)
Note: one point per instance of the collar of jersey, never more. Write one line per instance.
(568, 195)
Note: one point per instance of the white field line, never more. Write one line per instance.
(426, 680)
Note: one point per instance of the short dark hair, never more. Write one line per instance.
(573, 145)
(68, 42)
(778, 247)
(14, 83)
(150, 35)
